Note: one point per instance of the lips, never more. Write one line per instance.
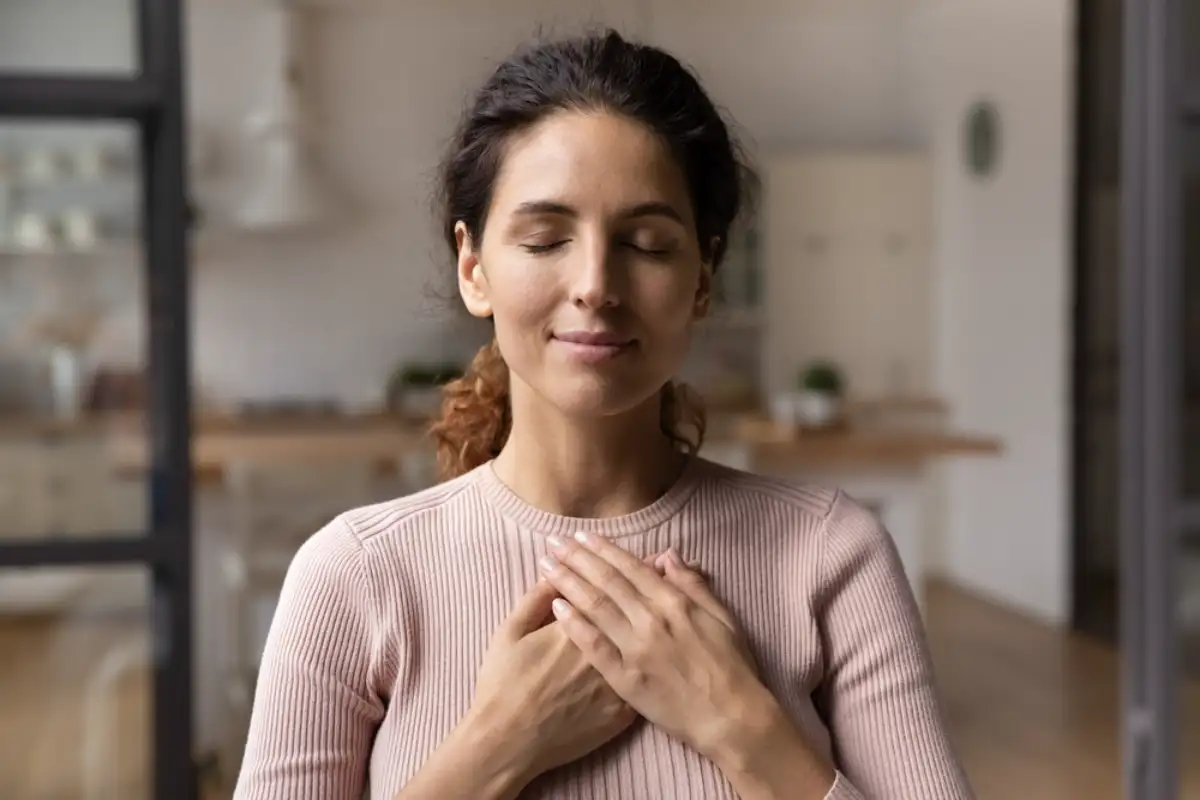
(595, 339)
(593, 347)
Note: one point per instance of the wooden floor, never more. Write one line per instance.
(1034, 711)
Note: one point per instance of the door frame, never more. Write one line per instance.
(153, 99)
(1154, 112)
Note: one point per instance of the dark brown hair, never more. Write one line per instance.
(601, 71)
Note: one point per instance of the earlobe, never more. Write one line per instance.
(703, 292)
(472, 281)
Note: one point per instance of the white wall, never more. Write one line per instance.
(1002, 272)
(815, 74)
(846, 247)
(58, 35)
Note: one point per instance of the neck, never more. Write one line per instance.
(594, 467)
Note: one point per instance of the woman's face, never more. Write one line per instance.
(589, 264)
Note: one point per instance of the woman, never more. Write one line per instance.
(588, 196)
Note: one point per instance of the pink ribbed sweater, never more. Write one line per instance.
(385, 615)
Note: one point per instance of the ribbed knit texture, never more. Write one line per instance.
(386, 613)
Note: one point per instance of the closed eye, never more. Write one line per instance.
(650, 251)
(543, 248)
(537, 249)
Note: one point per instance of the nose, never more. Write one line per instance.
(595, 279)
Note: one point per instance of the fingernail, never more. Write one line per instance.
(554, 542)
(561, 608)
(673, 554)
(582, 537)
(548, 563)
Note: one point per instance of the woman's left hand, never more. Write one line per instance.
(664, 643)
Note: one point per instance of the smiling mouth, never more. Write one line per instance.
(593, 348)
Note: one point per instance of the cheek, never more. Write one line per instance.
(669, 301)
(523, 299)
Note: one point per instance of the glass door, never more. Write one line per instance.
(1159, 409)
(95, 478)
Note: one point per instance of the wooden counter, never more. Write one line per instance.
(219, 441)
(47, 426)
(771, 448)
(131, 422)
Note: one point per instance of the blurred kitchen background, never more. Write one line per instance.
(922, 307)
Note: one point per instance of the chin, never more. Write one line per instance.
(595, 398)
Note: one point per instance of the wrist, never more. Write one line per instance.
(763, 755)
(755, 722)
(502, 764)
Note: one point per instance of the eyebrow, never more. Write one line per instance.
(651, 209)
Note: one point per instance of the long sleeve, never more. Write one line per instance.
(314, 715)
(878, 693)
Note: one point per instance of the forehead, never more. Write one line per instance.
(592, 161)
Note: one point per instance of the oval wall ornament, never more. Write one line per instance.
(981, 138)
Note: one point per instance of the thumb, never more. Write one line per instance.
(530, 613)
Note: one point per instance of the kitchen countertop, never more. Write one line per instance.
(36, 425)
(203, 424)
(218, 441)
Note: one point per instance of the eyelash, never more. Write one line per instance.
(541, 249)
(538, 249)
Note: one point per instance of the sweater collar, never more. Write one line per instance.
(508, 503)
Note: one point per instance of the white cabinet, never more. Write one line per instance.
(22, 504)
(65, 485)
(60, 485)
(846, 254)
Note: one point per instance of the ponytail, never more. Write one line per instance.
(682, 418)
(476, 416)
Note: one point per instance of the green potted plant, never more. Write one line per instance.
(416, 389)
(821, 388)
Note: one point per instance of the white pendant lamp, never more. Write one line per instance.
(286, 190)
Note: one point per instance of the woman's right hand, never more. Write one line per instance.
(536, 690)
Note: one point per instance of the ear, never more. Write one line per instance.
(472, 282)
(704, 287)
(703, 292)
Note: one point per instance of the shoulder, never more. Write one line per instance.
(349, 547)
(826, 509)
(813, 501)
(379, 522)
(349, 571)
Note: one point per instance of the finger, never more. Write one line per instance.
(597, 603)
(531, 611)
(660, 564)
(597, 648)
(694, 586)
(603, 563)
(603, 574)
